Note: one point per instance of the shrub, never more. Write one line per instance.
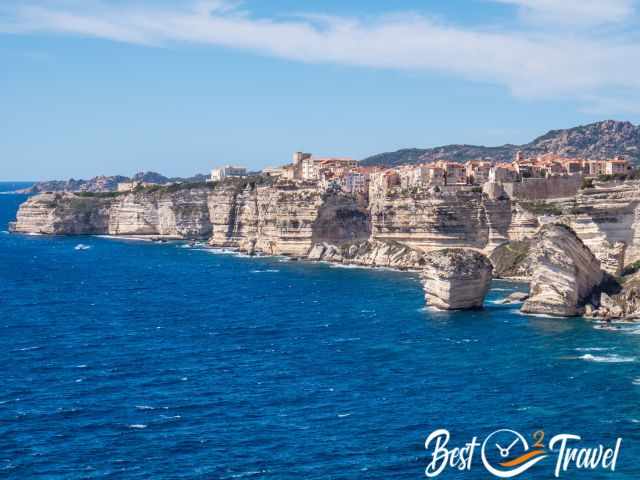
(587, 183)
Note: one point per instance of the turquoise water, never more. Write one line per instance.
(136, 360)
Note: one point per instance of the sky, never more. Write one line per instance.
(91, 87)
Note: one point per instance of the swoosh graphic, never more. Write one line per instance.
(521, 459)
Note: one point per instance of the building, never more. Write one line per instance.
(273, 172)
(219, 174)
(477, 171)
(617, 166)
(574, 167)
(593, 168)
(310, 168)
(503, 172)
(355, 181)
(454, 173)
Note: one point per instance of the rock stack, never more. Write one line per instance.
(564, 273)
(456, 279)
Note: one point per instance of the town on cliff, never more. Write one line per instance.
(566, 225)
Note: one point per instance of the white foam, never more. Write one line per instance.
(613, 358)
(343, 415)
(28, 349)
(217, 251)
(125, 237)
(82, 246)
(139, 426)
(593, 349)
(270, 270)
(636, 381)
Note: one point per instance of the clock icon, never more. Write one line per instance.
(506, 454)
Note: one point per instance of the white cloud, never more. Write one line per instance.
(530, 63)
(574, 12)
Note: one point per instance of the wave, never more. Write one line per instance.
(27, 349)
(149, 407)
(269, 270)
(125, 237)
(594, 349)
(636, 381)
(138, 426)
(343, 415)
(613, 358)
(218, 251)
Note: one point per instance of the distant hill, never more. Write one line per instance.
(597, 141)
(106, 183)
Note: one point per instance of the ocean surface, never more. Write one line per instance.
(132, 360)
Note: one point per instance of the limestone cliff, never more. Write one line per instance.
(63, 214)
(284, 219)
(374, 253)
(456, 279)
(434, 220)
(564, 272)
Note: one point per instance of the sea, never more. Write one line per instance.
(126, 359)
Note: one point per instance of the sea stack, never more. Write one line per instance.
(456, 279)
(564, 273)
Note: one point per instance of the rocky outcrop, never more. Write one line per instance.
(372, 253)
(564, 273)
(515, 297)
(63, 214)
(511, 260)
(456, 279)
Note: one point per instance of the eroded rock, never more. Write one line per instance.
(564, 273)
(456, 279)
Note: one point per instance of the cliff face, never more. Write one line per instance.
(373, 253)
(431, 221)
(284, 219)
(63, 214)
(564, 273)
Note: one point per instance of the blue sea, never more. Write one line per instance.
(133, 360)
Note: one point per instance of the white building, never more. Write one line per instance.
(219, 174)
(354, 182)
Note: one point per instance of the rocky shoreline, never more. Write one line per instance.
(457, 242)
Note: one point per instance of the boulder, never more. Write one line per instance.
(456, 279)
(515, 297)
(564, 273)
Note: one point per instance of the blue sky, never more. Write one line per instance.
(113, 86)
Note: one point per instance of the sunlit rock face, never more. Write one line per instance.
(564, 273)
(431, 220)
(63, 214)
(372, 253)
(456, 279)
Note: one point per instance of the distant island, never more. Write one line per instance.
(564, 222)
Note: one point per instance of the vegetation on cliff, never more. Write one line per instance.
(599, 140)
